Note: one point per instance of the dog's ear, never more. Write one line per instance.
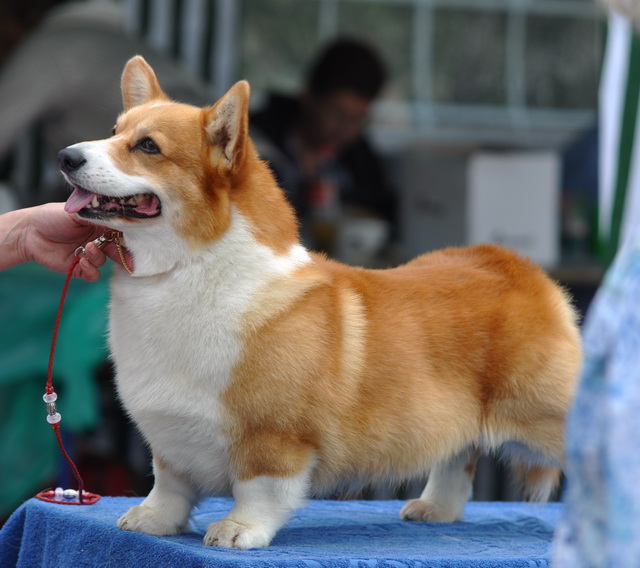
(139, 84)
(227, 125)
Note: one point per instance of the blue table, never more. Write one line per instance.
(324, 534)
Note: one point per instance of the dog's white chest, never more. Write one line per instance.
(176, 339)
(175, 354)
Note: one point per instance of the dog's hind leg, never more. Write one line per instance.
(539, 483)
(536, 460)
(537, 478)
(448, 489)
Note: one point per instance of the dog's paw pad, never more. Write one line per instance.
(147, 520)
(422, 510)
(229, 534)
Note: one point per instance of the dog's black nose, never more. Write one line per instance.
(70, 159)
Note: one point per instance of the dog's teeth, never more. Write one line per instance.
(132, 201)
(95, 202)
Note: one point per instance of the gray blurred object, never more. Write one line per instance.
(61, 86)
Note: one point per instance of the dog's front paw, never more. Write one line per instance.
(229, 534)
(423, 510)
(143, 518)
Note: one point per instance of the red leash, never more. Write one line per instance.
(68, 496)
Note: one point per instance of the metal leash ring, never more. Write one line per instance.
(110, 237)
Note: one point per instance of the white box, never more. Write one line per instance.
(458, 198)
(514, 201)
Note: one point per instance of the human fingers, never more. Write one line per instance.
(86, 271)
(94, 255)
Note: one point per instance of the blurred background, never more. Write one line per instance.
(486, 130)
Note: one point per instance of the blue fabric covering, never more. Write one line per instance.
(323, 534)
(601, 525)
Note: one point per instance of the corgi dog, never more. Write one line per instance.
(255, 367)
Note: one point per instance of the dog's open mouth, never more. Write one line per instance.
(96, 206)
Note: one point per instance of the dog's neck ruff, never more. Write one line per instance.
(154, 248)
(122, 253)
(157, 249)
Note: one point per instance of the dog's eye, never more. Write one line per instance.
(148, 145)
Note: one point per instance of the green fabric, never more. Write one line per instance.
(29, 450)
(29, 298)
(625, 152)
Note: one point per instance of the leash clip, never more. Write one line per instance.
(114, 237)
(109, 237)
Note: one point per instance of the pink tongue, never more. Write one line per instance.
(77, 200)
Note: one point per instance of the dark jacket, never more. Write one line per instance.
(365, 184)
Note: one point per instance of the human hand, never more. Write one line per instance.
(48, 235)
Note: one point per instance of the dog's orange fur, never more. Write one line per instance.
(350, 374)
(381, 385)
(377, 373)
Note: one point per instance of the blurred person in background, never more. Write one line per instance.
(317, 146)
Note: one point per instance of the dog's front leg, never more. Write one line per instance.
(262, 505)
(166, 509)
